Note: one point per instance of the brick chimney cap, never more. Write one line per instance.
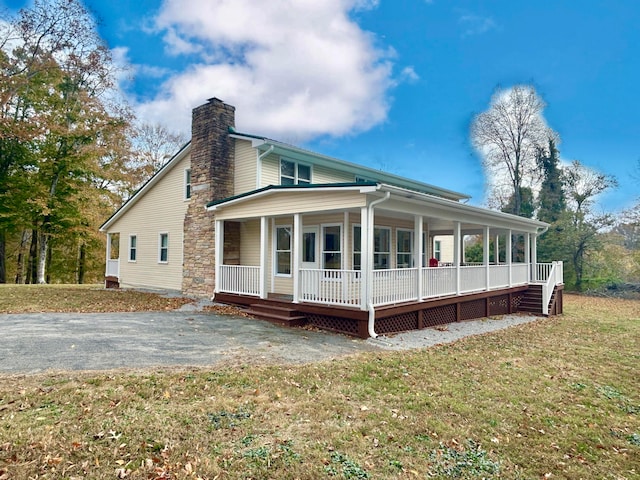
(215, 100)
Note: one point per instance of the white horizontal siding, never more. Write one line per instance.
(160, 210)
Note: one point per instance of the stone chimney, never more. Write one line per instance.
(212, 174)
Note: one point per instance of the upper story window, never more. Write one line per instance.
(187, 184)
(294, 173)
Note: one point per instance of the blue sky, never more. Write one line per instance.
(390, 84)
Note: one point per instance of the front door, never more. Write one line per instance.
(310, 260)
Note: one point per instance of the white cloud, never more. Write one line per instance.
(409, 74)
(476, 24)
(293, 69)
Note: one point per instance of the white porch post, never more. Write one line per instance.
(297, 251)
(219, 253)
(527, 255)
(106, 263)
(417, 252)
(496, 247)
(365, 261)
(534, 257)
(485, 256)
(456, 253)
(263, 257)
(509, 254)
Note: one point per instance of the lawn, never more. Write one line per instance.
(556, 398)
(81, 298)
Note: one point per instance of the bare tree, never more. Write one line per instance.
(508, 136)
(582, 225)
(153, 146)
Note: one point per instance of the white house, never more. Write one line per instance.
(297, 237)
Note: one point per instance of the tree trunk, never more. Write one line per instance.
(43, 244)
(32, 264)
(48, 264)
(3, 257)
(20, 264)
(82, 254)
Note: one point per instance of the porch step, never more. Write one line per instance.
(532, 300)
(276, 314)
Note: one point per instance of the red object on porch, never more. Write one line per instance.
(433, 262)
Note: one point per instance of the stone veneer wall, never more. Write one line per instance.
(212, 173)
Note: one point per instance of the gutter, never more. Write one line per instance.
(370, 307)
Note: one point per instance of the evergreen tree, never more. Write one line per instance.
(551, 199)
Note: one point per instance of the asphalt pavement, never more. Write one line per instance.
(33, 343)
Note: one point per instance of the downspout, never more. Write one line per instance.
(370, 307)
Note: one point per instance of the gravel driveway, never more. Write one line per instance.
(31, 343)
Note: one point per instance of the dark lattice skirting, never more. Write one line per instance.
(472, 309)
(337, 324)
(499, 305)
(398, 323)
(432, 317)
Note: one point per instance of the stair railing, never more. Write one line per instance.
(547, 288)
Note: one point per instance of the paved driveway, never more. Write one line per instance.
(31, 343)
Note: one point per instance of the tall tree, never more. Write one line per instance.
(580, 227)
(508, 136)
(56, 101)
(551, 199)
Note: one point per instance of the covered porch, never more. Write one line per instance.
(366, 252)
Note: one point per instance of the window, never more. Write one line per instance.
(293, 173)
(404, 248)
(437, 250)
(187, 184)
(381, 247)
(133, 247)
(163, 248)
(283, 250)
(357, 247)
(332, 247)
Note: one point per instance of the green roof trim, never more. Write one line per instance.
(291, 187)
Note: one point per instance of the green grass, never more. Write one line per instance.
(556, 397)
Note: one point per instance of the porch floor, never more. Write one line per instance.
(397, 317)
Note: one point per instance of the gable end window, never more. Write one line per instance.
(187, 184)
(133, 247)
(293, 173)
(163, 248)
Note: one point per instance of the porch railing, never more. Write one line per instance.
(554, 277)
(395, 285)
(113, 267)
(333, 287)
(344, 287)
(240, 279)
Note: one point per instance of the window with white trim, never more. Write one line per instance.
(381, 248)
(357, 247)
(404, 248)
(187, 184)
(133, 247)
(294, 173)
(163, 248)
(283, 250)
(332, 247)
(437, 250)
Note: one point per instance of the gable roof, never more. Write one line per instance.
(296, 153)
(133, 199)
